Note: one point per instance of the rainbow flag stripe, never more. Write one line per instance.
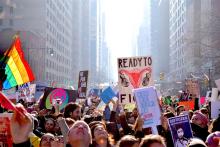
(17, 69)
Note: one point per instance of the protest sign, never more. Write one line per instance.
(202, 100)
(189, 105)
(133, 72)
(148, 107)
(107, 95)
(215, 109)
(192, 87)
(217, 82)
(32, 90)
(40, 87)
(10, 93)
(63, 96)
(215, 94)
(82, 84)
(101, 106)
(94, 92)
(180, 129)
(24, 92)
(5, 133)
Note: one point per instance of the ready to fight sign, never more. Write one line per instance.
(133, 72)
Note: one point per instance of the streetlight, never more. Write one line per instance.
(51, 51)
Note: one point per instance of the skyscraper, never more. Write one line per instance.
(160, 37)
(51, 21)
(143, 40)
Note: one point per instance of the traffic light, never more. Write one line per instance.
(206, 81)
(161, 76)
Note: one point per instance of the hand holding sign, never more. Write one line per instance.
(148, 107)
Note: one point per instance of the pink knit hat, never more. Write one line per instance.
(200, 116)
(213, 139)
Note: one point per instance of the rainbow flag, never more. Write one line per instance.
(17, 69)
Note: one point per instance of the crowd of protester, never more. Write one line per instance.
(76, 126)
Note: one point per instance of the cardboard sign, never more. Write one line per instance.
(180, 129)
(82, 84)
(148, 107)
(5, 133)
(133, 73)
(192, 87)
(189, 105)
(51, 95)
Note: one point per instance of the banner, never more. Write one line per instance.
(180, 129)
(133, 73)
(5, 133)
(148, 106)
(82, 84)
(52, 95)
(192, 87)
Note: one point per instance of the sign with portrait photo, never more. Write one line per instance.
(181, 130)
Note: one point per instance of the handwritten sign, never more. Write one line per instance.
(133, 73)
(148, 107)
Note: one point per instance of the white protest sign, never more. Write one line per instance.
(214, 96)
(217, 82)
(133, 72)
(148, 106)
(215, 109)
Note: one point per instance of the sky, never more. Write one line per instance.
(123, 19)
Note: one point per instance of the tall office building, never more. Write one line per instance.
(143, 40)
(193, 37)
(160, 37)
(51, 21)
(89, 46)
(210, 44)
(178, 57)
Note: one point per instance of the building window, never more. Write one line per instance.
(11, 10)
(11, 22)
(1, 9)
